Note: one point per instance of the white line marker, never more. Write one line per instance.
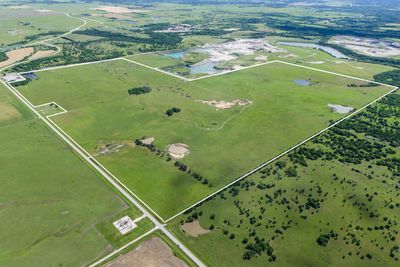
(71, 65)
(82, 154)
(333, 73)
(204, 77)
(97, 263)
(156, 69)
(282, 154)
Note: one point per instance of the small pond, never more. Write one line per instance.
(176, 54)
(302, 82)
(340, 109)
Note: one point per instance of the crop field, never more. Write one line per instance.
(334, 201)
(50, 199)
(265, 113)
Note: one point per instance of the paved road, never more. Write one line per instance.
(158, 225)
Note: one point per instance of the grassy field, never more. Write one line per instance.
(16, 24)
(49, 198)
(288, 213)
(281, 114)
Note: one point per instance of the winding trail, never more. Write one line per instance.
(46, 41)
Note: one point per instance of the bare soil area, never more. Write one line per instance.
(40, 54)
(194, 229)
(230, 50)
(16, 55)
(178, 151)
(151, 253)
(118, 9)
(148, 141)
(226, 105)
(368, 46)
(105, 149)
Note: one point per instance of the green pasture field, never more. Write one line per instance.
(224, 144)
(51, 202)
(298, 246)
(357, 201)
(16, 24)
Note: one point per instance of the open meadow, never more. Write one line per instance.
(203, 134)
(58, 207)
(334, 201)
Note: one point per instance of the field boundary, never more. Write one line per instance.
(113, 253)
(281, 155)
(104, 173)
(202, 77)
(49, 103)
(92, 159)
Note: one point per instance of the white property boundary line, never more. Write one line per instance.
(71, 65)
(91, 158)
(48, 104)
(204, 77)
(90, 161)
(122, 248)
(282, 154)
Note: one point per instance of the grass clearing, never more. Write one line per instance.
(335, 185)
(49, 198)
(100, 112)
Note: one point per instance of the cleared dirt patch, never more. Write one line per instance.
(105, 149)
(151, 253)
(118, 9)
(368, 46)
(178, 151)
(226, 105)
(316, 62)
(16, 55)
(40, 54)
(8, 112)
(148, 141)
(194, 229)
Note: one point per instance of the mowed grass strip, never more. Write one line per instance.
(224, 143)
(50, 201)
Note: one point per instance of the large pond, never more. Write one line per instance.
(331, 51)
(176, 54)
(205, 66)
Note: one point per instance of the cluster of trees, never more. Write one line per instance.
(323, 239)
(151, 147)
(184, 168)
(363, 85)
(156, 40)
(22, 83)
(171, 111)
(257, 248)
(181, 166)
(370, 137)
(3, 56)
(389, 77)
(75, 52)
(139, 90)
